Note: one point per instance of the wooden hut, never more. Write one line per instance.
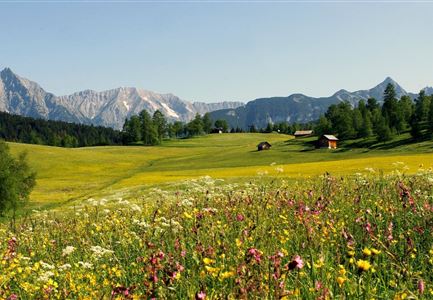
(327, 141)
(302, 133)
(263, 146)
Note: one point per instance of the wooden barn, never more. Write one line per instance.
(263, 146)
(302, 133)
(327, 141)
(217, 130)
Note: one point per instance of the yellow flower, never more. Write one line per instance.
(375, 251)
(366, 252)
(342, 271)
(227, 274)
(363, 265)
(187, 215)
(351, 253)
(208, 261)
(341, 280)
(212, 270)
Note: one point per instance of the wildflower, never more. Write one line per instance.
(375, 251)
(68, 250)
(296, 263)
(341, 280)
(366, 252)
(65, 267)
(227, 274)
(342, 270)
(98, 251)
(421, 286)
(255, 253)
(208, 261)
(363, 265)
(200, 295)
(187, 215)
(85, 265)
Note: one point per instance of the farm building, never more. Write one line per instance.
(217, 130)
(327, 141)
(263, 146)
(301, 133)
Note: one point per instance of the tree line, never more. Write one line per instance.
(28, 130)
(369, 118)
(152, 129)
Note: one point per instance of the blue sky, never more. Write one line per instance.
(219, 50)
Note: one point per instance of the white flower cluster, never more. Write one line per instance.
(99, 252)
(68, 250)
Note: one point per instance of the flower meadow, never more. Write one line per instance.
(353, 237)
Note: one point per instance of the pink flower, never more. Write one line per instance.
(421, 286)
(255, 253)
(296, 263)
(200, 295)
(299, 261)
(240, 217)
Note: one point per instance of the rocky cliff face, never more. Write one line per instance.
(108, 108)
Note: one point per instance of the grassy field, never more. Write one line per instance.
(147, 222)
(65, 175)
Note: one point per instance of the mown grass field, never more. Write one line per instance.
(65, 175)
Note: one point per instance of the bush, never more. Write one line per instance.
(16, 180)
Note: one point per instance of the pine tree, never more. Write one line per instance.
(390, 108)
(149, 133)
(160, 124)
(207, 123)
(195, 127)
(406, 107)
(132, 130)
(323, 126)
(422, 106)
(430, 115)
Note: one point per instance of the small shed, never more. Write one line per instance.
(301, 133)
(217, 130)
(263, 146)
(327, 141)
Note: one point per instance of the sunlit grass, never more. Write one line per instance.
(65, 175)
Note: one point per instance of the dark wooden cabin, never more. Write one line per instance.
(263, 146)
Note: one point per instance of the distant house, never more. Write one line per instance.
(301, 133)
(263, 146)
(327, 141)
(217, 130)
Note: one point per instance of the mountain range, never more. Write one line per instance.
(300, 108)
(110, 108)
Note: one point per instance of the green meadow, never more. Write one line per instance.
(65, 175)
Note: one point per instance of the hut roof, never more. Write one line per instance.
(264, 143)
(303, 132)
(330, 137)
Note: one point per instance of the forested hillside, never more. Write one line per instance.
(55, 133)
(368, 118)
